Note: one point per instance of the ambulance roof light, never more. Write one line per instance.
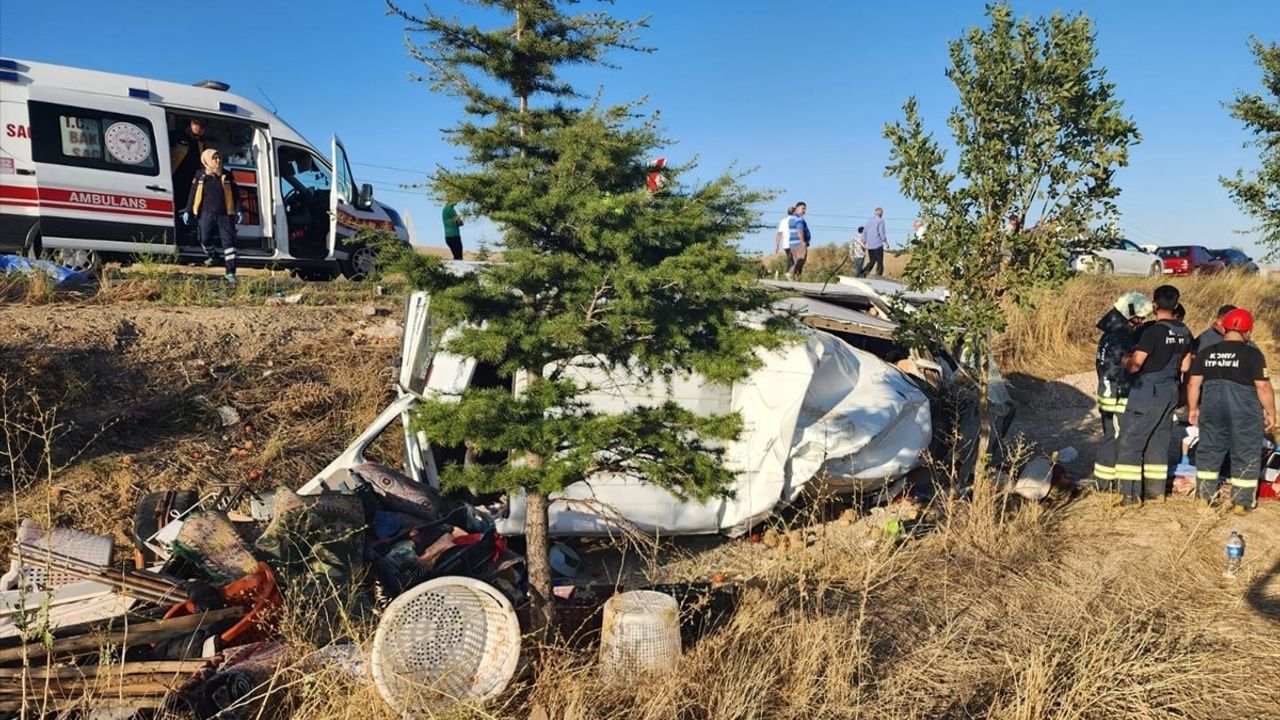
(8, 76)
(140, 93)
(7, 64)
(228, 107)
(213, 85)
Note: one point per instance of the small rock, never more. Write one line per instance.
(389, 330)
(293, 299)
(228, 416)
(372, 311)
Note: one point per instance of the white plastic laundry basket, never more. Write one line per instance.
(640, 634)
(446, 641)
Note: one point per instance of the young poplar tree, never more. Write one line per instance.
(596, 270)
(1038, 135)
(1258, 193)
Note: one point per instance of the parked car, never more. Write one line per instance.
(1236, 261)
(1117, 257)
(1189, 260)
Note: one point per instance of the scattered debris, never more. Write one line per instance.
(640, 635)
(59, 276)
(228, 415)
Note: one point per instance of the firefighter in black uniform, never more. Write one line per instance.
(1162, 355)
(1230, 398)
(215, 202)
(1119, 336)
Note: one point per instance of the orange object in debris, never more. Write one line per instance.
(260, 597)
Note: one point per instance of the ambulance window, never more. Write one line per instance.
(84, 137)
(300, 170)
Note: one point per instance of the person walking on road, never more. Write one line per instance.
(1119, 328)
(214, 200)
(452, 230)
(798, 239)
(875, 240)
(1161, 357)
(1230, 399)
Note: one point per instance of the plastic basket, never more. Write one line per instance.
(640, 634)
(83, 546)
(449, 640)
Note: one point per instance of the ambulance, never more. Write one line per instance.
(87, 175)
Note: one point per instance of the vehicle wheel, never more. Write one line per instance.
(315, 275)
(360, 263)
(33, 248)
(148, 516)
(1105, 267)
(1157, 269)
(88, 262)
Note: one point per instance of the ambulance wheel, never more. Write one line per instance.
(33, 247)
(80, 260)
(1157, 269)
(1106, 268)
(360, 263)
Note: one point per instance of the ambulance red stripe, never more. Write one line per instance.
(103, 211)
(19, 193)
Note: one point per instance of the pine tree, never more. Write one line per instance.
(1039, 134)
(596, 271)
(1258, 193)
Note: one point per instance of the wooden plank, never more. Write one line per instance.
(152, 667)
(134, 634)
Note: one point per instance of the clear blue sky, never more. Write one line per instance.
(798, 90)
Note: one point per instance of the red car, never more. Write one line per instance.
(1189, 260)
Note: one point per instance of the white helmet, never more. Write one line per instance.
(1134, 304)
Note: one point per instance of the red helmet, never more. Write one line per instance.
(1240, 320)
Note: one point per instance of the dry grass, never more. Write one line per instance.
(1004, 615)
(1006, 610)
(1059, 336)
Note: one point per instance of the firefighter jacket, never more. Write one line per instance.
(1114, 383)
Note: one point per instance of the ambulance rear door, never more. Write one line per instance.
(102, 172)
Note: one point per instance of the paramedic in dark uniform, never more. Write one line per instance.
(1231, 400)
(1119, 336)
(184, 158)
(215, 203)
(1162, 355)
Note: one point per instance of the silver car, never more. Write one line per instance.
(1119, 257)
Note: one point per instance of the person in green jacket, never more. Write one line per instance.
(452, 230)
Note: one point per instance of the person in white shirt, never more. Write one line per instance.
(858, 253)
(784, 231)
(919, 228)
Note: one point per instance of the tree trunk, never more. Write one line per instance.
(984, 408)
(542, 610)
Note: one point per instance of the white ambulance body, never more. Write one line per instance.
(86, 175)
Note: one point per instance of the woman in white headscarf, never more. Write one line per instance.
(214, 200)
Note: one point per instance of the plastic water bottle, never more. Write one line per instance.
(1235, 552)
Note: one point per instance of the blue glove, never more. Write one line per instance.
(239, 218)
(186, 218)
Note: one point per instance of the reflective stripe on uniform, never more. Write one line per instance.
(1244, 483)
(1128, 472)
(1155, 471)
(1104, 472)
(1112, 405)
(1207, 475)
